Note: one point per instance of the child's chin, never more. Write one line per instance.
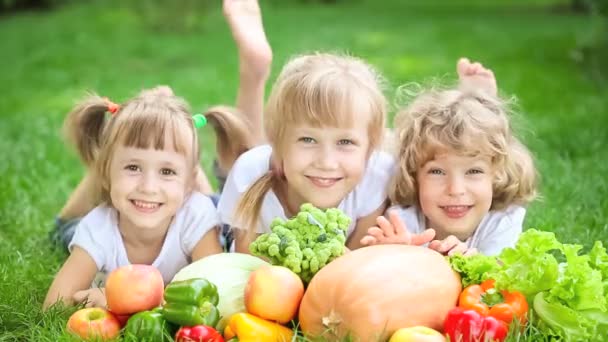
(325, 204)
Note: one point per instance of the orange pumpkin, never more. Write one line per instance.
(373, 291)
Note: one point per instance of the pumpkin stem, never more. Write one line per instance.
(332, 320)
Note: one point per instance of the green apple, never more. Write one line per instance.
(417, 334)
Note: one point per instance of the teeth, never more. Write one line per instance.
(456, 208)
(145, 205)
(324, 181)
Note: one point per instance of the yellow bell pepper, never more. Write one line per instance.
(249, 328)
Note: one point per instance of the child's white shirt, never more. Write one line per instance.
(98, 234)
(366, 197)
(496, 231)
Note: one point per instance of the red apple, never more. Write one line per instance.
(417, 334)
(134, 288)
(94, 323)
(122, 319)
(274, 293)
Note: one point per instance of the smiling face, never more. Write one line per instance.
(455, 192)
(148, 186)
(323, 164)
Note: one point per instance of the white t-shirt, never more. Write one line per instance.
(496, 231)
(366, 197)
(98, 234)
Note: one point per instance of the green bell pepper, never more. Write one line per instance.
(191, 302)
(149, 326)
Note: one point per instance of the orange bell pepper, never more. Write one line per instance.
(487, 301)
(249, 328)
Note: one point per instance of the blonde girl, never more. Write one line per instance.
(145, 158)
(463, 178)
(324, 120)
(254, 55)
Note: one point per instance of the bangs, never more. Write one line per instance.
(326, 101)
(467, 142)
(155, 131)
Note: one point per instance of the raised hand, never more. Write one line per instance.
(394, 231)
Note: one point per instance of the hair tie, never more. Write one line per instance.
(112, 107)
(199, 120)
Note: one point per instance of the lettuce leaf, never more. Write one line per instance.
(529, 267)
(579, 286)
(473, 269)
(568, 290)
(561, 321)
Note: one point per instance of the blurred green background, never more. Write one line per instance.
(551, 55)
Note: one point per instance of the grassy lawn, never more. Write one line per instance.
(50, 59)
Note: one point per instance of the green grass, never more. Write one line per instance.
(50, 59)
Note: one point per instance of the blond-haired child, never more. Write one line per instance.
(463, 177)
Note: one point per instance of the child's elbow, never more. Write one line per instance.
(55, 298)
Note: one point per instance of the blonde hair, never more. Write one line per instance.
(470, 122)
(144, 122)
(318, 89)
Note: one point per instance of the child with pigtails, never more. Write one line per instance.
(145, 157)
(254, 56)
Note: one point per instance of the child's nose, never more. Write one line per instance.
(456, 186)
(327, 159)
(148, 183)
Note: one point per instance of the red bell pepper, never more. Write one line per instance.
(486, 300)
(470, 326)
(198, 333)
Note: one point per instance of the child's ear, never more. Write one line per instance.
(195, 183)
(276, 166)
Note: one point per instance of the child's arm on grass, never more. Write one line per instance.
(76, 274)
(208, 245)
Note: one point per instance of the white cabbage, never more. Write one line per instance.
(229, 272)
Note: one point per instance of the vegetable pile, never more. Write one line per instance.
(305, 243)
(567, 290)
(540, 290)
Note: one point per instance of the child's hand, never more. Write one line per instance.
(394, 231)
(95, 297)
(450, 246)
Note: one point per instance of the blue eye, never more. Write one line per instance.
(435, 172)
(132, 167)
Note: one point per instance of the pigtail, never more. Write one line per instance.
(84, 125)
(248, 209)
(232, 134)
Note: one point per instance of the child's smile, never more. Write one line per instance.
(323, 164)
(324, 182)
(146, 207)
(456, 211)
(147, 186)
(455, 192)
